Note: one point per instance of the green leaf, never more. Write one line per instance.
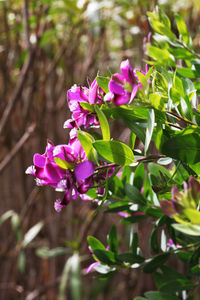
(87, 106)
(112, 240)
(188, 73)
(134, 194)
(182, 28)
(156, 170)
(139, 176)
(161, 24)
(157, 101)
(182, 53)
(130, 258)
(189, 229)
(155, 262)
(105, 256)
(193, 215)
(115, 151)
(183, 146)
(149, 130)
(132, 140)
(103, 123)
(95, 244)
(63, 163)
(103, 83)
(135, 118)
(161, 56)
(86, 141)
(31, 234)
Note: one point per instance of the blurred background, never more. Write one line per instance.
(45, 47)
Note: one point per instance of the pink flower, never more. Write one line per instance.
(81, 116)
(123, 87)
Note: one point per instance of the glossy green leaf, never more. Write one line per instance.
(103, 83)
(63, 163)
(86, 141)
(103, 123)
(157, 101)
(188, 73)
(132, 140)
(95, 244)
(161, 56)
(161, 24)
(87, 106)
(135, 118)
(105, 256)
(193, 215)
(115, 151)
(182, 28)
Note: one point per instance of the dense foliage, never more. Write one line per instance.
(157, 180)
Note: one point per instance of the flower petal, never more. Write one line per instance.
(84, 170)
(39, 160)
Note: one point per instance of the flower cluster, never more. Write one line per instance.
(66, 168)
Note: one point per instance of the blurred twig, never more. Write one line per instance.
(17, 92)
(17, 147)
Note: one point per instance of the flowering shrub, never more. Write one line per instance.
(159, 181)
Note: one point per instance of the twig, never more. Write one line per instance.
(18, 90)
(17, 147)
(188, 49)
(179, 117)
(26, 21)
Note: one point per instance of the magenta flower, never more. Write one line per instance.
(76, 145)
(80, 116)
(47, 172)
(83, 170)
(123, 87)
